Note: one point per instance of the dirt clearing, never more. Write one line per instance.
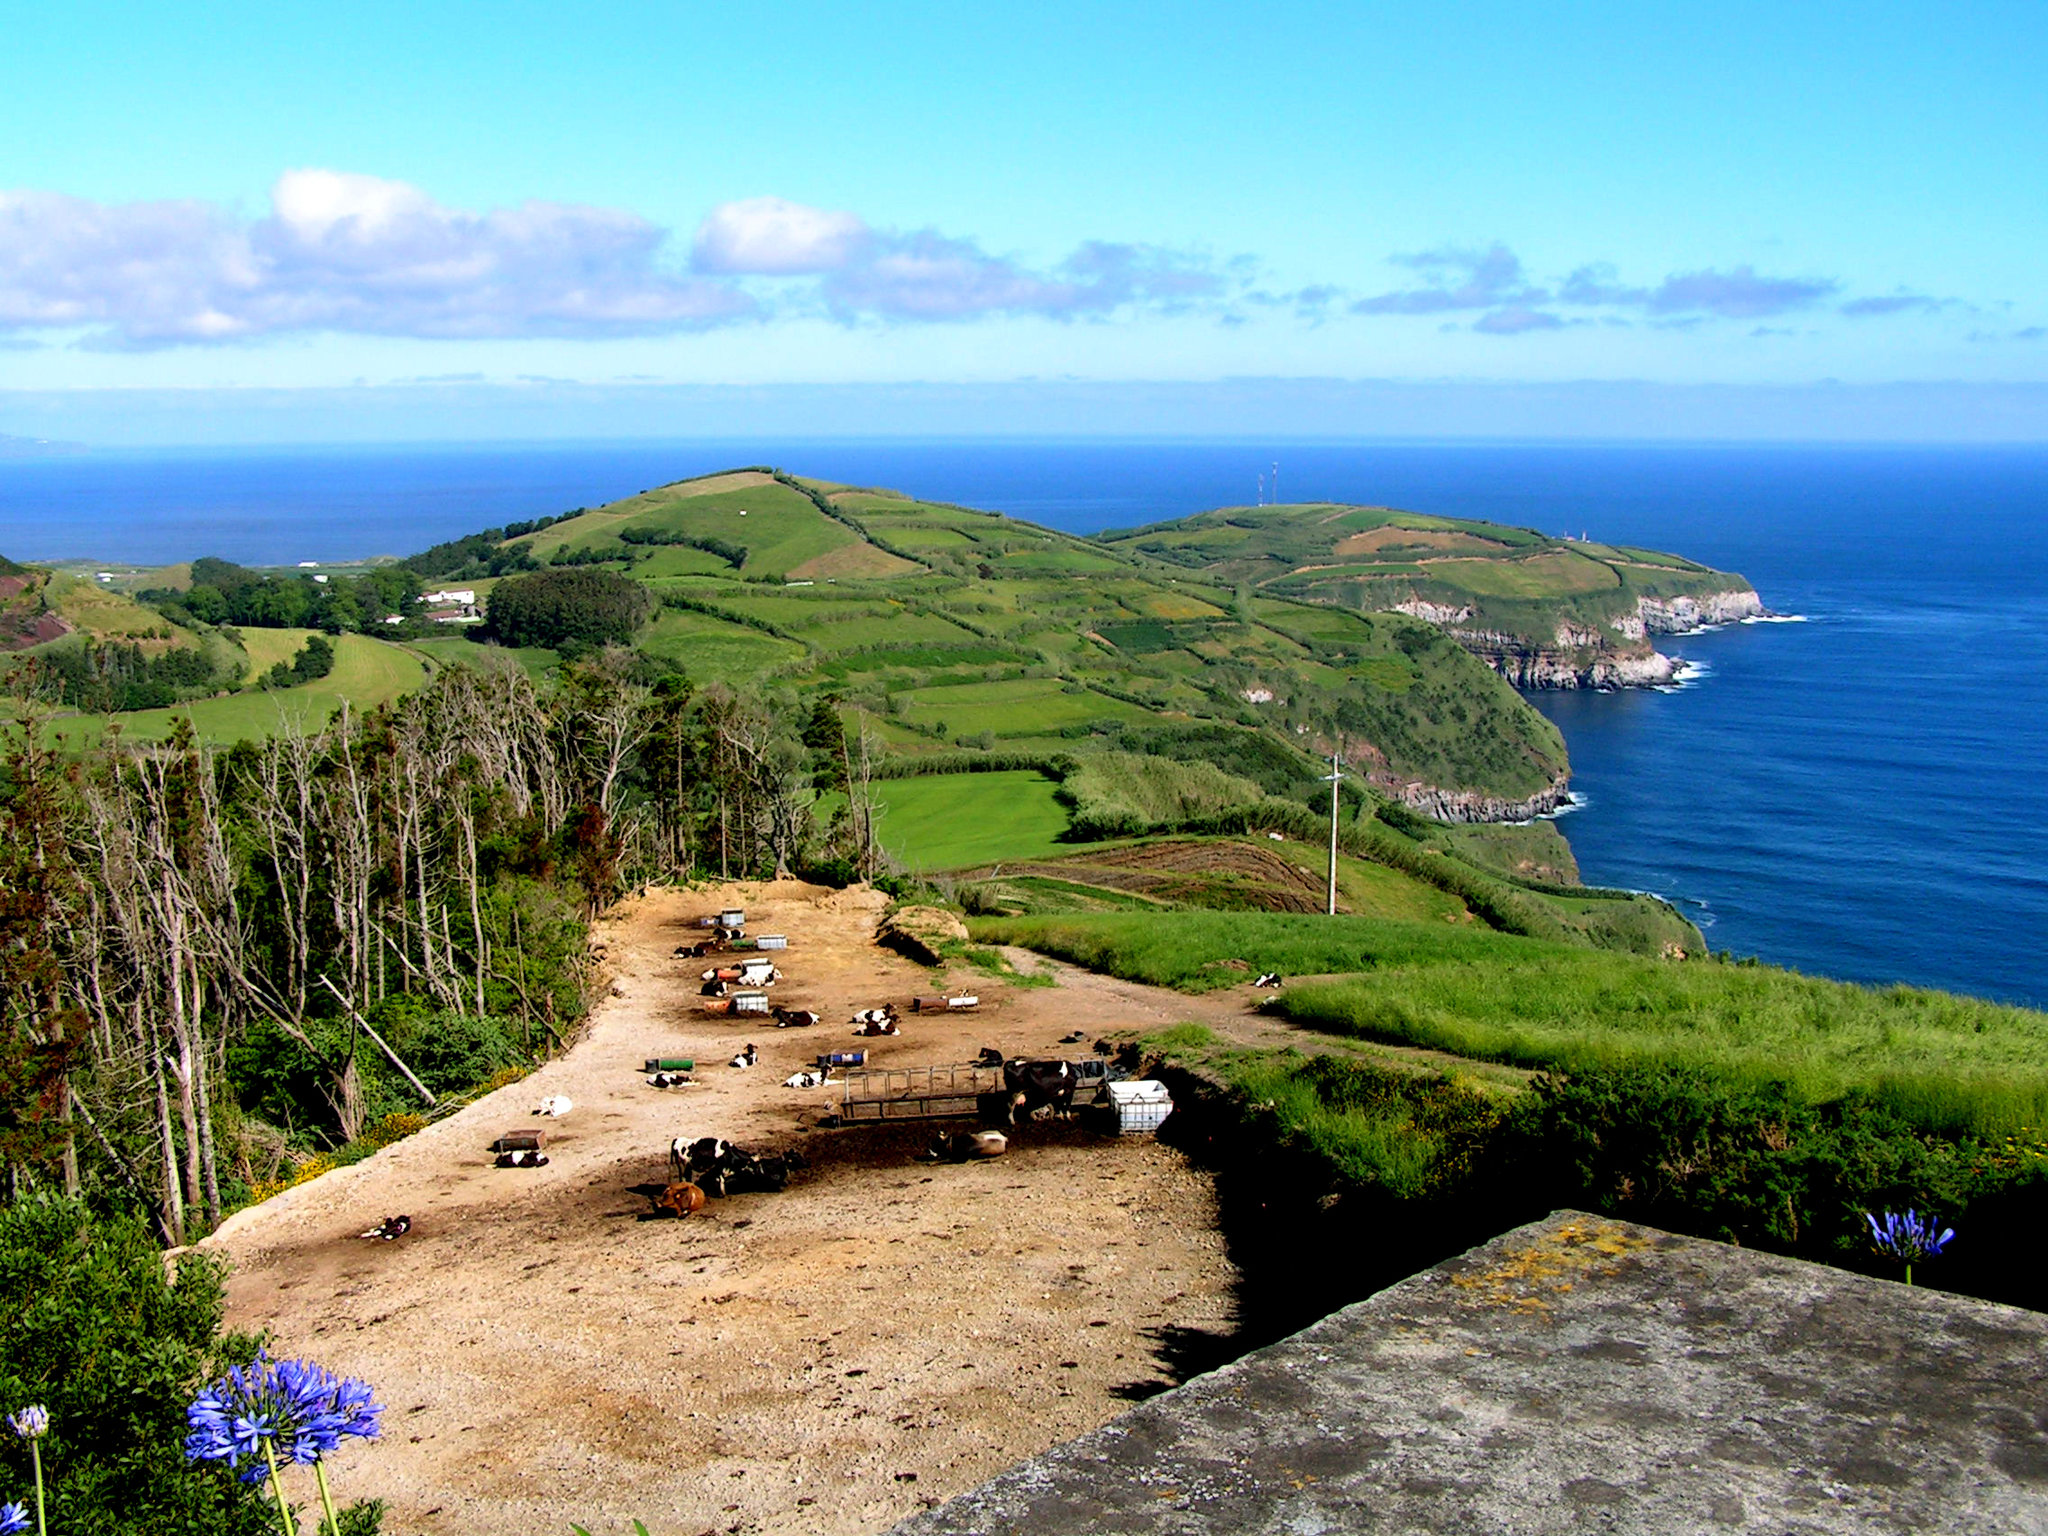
(884, 1334)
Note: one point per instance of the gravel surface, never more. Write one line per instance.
(883, 1335)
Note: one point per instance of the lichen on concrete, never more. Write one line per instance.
(1574, 1375)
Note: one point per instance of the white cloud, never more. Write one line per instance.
(342, 252)
(773, 237)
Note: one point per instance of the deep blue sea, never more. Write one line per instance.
(1863, 794)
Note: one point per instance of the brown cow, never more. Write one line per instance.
(683, 1199)
(960, 1146)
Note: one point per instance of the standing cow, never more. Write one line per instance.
(1032, 1086)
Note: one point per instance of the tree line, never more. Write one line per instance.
(216, 963)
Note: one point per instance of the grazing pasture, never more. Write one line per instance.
(1947, 1063)
(952, 821)
(366, 673)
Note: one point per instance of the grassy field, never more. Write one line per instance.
(710, 650)
(1946, 1063)
(1026, 707)
(366, 673)
(951, 821)
(456, 651)
(106, 614)
(1181, 949)
(779, 528)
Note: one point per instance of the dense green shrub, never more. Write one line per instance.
(571, 608)
(94, 1326)
(315, 660)
(1760, 1165)
(111, 676)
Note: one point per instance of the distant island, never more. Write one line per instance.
(36, 447)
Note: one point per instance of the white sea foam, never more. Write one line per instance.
(1688, 674)
(1573, 802)
(1777, 618)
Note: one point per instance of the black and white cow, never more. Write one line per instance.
(1033, 1086)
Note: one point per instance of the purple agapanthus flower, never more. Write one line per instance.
(303, 1411)
(1908, 1236)
(13, 1517)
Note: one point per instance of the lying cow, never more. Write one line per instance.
(668, 1080)
(875, 1027)
(554, 1105)
(1268, 979)
(960, 1146)
(1034, 1086)
(793, 1018)
(720, 1168)
(522, 1159)
(745, 1058)
(989, 1057)
(810, 1077)
(683, 1199)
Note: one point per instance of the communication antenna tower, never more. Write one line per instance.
(1276, 485)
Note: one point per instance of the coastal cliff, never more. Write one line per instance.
(1469, 806)
(1585, 653)
(1541, 610)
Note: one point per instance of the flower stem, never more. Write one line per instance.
(35, 1451)
(1909, 1274)
(326, 1498)
(284, 1510)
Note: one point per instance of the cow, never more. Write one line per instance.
(767, 1172)
(669, 1080)
(793, 1018)
(875, 1027)
(960, 1146)
(989, 1057)
(685, 1155)
(555, 1105)
(1268, 979)
(745, 1058)
(390, 1227)
(520, 1158)
(1038, 1085)
(681, 1198)
(719, 1168)
(810, 1077)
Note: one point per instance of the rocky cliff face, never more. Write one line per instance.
(1580, 655)
(1468, 805)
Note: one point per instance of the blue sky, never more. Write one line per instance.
(238, 197)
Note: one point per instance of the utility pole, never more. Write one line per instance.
(1335, 775)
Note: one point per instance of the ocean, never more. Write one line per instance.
(1858, 794)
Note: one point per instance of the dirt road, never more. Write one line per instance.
(883, 1335)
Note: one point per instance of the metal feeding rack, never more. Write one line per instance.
(950, 1092)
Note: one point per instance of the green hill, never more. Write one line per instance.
(1544, 611)
(940, 624)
